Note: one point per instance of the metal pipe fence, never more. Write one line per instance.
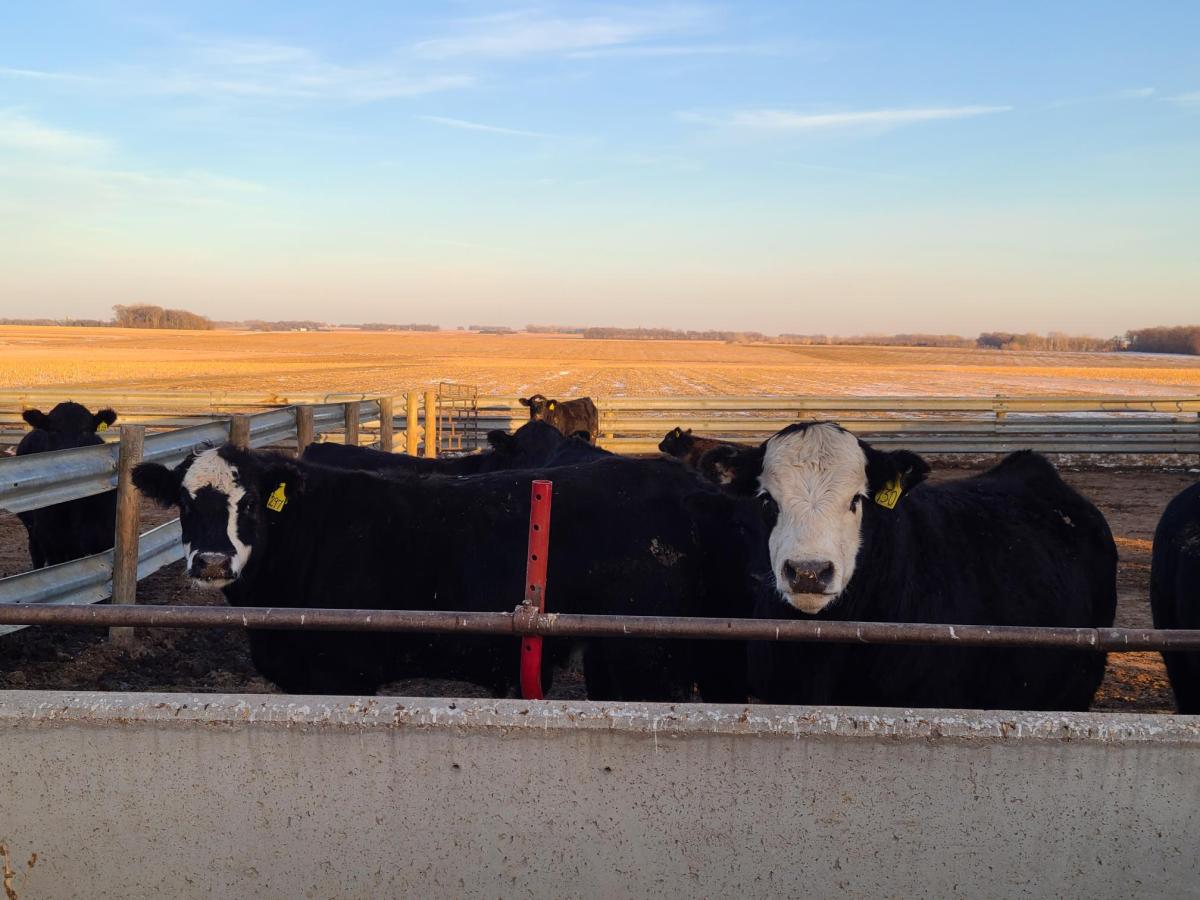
(525, 621)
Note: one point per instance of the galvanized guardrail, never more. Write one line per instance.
(940, 425)
(44, 479)
(1161, 425)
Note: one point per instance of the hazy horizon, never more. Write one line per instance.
(753, 167)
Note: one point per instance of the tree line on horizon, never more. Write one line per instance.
(1183, 339)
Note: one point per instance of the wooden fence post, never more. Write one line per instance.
(350, 415)
(412, 438)
(305, 430)
(125, 545)
(387, 434)
(239, 430)
(431, 447)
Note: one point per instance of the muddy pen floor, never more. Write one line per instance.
(217, 660)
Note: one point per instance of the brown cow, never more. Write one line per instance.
(571, 417)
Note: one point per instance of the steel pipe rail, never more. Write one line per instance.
(526, 621)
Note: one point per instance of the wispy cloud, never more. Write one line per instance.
(666, 51)
(232, 68)
(479, 126)
(43, 189)
(18, 131)
(533, 33)
(1190, 100)
(783, 121)
(1140, 93)
(39, 75)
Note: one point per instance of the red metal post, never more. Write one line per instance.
(535, 585)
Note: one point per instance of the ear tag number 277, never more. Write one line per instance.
(278, 499)
(889, 495)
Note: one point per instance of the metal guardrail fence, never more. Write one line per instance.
(45, 479)
(1164, 425)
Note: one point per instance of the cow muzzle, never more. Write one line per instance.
(211, 569)
(807, 576)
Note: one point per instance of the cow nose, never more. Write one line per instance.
(808, 576)
(212, 566)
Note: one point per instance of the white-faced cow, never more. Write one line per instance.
(571, 417)
(1175, 590)
(853, 534)
(627, 536)
(532, 446)
(77, 528)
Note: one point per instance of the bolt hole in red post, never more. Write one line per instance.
(535, 585)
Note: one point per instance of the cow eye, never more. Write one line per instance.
(854, 502)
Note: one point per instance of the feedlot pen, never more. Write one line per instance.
(170, 768)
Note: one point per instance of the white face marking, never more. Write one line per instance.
(814, 475)
(210, 470)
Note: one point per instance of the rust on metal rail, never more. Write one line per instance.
(1112, 640)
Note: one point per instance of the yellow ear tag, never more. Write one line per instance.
(103, 426)
(551, 405)
(278, 499)
(889, 495)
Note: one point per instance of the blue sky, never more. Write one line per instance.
(845, 167)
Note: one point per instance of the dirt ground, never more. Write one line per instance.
(218, 660)
(509, 365)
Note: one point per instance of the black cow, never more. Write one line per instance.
(627, 536)
(568, 416)
(1175, 590)
(853, 534)
(533, 445)
(689, 449)
(77, 528)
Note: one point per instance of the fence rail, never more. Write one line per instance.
(525, 621)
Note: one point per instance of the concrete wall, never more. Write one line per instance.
(275, 797)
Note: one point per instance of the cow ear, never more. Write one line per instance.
(280, 478)
(36, 418)
(105, 418)
(899, 466)
(525, 401)
(500, 440)
(677, 433)
(735, 468)
(159, 483)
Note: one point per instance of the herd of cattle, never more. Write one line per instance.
(812, 523)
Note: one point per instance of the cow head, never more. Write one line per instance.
(225, 498)
(540, 407)
(677, 442)
(817, 484)
(70, 424)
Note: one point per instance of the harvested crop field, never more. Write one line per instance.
(218, 661)
(507, 365)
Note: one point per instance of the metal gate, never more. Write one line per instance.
(457, 418)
